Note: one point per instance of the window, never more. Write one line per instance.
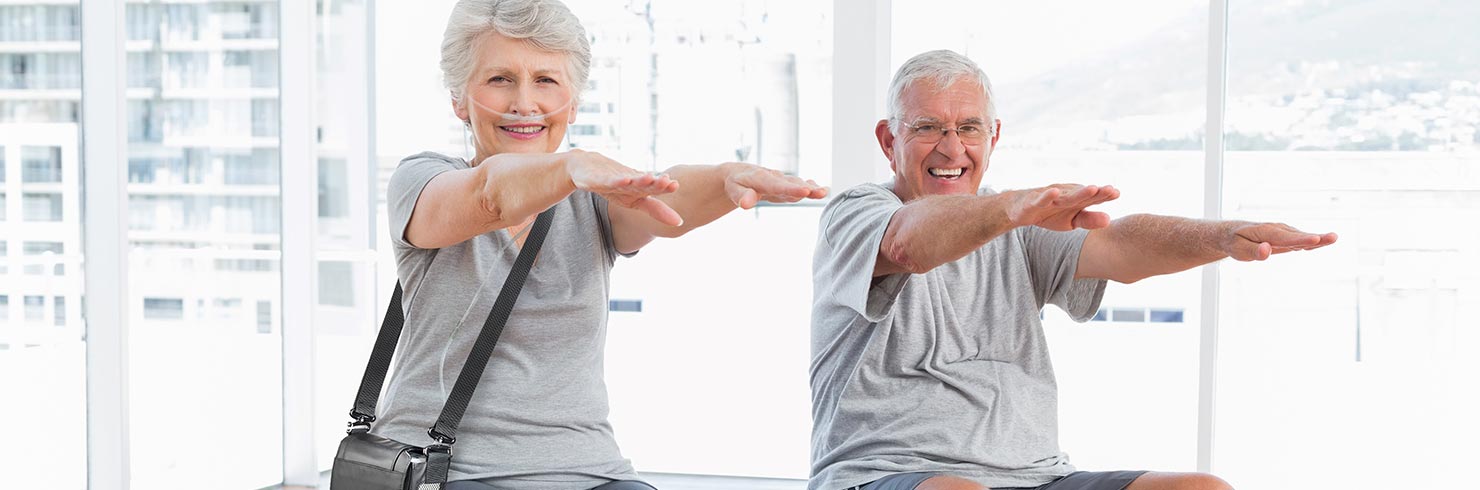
(336, 284)
(1331, 130)
(41, 206)
(686, 82)
(41, 249)
(41, 164)
(264, 317)
(4, 308)
(164, 308)
(1128, 315)
(204, 136)
(35, 308)
(59, 310)
(1166, 316)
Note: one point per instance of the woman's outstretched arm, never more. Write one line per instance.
(509, 189)
(707, 193)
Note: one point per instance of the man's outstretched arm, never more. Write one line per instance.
(934, 230)
(1143, 245)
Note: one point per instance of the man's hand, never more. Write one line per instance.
(623, 186)
(748, 184)
(1061, 207)
(1257, 241)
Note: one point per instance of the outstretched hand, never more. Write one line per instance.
(750, 184)
(1061, 207)
(622, 185)
(1258, 241)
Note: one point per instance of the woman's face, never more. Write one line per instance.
(511, 81)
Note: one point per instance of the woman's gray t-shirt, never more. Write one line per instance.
(538, 419)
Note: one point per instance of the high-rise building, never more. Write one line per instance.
(203, 171)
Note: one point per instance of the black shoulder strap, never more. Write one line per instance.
(445, 431)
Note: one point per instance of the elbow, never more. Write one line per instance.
(897, 252)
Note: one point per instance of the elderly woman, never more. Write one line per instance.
(539, 420)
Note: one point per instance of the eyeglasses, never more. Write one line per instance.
(931, 132)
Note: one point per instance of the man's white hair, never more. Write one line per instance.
(547, 24)
(940, 68)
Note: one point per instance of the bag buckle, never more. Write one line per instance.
(441, 438)
(361, 422)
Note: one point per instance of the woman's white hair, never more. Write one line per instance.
(941, 68)
(546, 24)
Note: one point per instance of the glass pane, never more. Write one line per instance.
(42, 353)
(1125, 110)
(204, 236)
(349, 297)
(757, 77)
(1359, 355)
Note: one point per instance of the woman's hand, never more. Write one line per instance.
(621, 185)
(748, 184)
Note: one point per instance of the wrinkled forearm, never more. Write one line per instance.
(935, 230)
(1144, 245)
(700, 198)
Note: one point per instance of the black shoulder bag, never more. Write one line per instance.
(369, 462)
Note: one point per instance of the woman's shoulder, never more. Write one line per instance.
(432, 158)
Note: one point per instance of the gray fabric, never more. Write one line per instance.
(1079, 480)
(539, 416)
(944, 372)
(1090, 480)
(616, 485)
(901, 481)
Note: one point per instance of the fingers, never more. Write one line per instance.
(761, 184)
(1046, 198)
(636, 185)
(1091, 220)
(747, 199)
(1247, 250)
(659, 211)
(1282, 238)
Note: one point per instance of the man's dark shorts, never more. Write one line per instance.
(1080, 480)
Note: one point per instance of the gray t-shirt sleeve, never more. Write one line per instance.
(1053, 258)
(405, 186)
(852, 229)
(604, 221)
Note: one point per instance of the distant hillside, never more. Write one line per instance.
(1279, 52)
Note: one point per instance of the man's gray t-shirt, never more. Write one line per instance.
(946, 371)
(538, 419)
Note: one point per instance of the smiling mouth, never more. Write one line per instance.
(523, 129)
(946, 173)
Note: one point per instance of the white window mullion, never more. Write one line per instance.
(105, 226)
(299, 164)
(1212, 209)
(861, 50)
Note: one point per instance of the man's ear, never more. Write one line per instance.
(886, 140)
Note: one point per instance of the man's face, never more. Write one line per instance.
(925, 162)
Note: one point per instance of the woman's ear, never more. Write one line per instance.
(460, 109)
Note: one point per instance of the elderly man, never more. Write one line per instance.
(930, 370)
